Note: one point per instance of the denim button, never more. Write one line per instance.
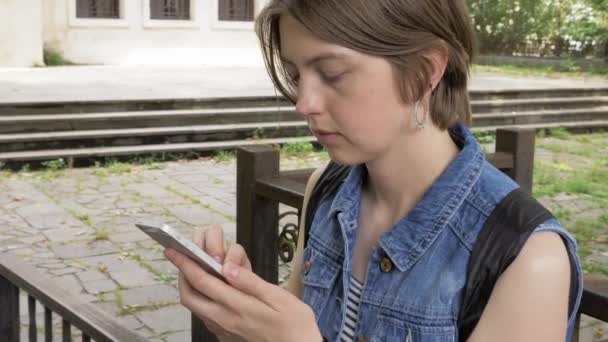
(386, 265)
(306, 267)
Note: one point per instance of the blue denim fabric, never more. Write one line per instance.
(420, 298)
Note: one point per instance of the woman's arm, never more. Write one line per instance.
(530, 299)
(294, 284)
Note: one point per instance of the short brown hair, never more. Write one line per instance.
(402, 31)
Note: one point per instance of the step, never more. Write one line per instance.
(515, 105)
(134, 132)
(542, 116)
(58, 107)
(28, 108)
(89, 121)
(582, 125)
(537, 93)
(150, 136)
(133, 150)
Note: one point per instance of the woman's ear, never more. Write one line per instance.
(439, 62)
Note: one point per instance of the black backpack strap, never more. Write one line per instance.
(499, 242)
(327, 184)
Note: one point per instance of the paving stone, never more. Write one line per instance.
(80, 250)
(134, 278)
(132, 323)
(133, 235)
(69, 282)
(65, 234)
(60, 272)
(166, 319)
(163, 266)
(51, 266)
(101, 285)
(33, 239)
(196, 215)
(91, 275)
(148, 295)
(180, 336)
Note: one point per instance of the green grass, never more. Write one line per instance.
(223, 156)
(297, 149)
(559, 133)
(52, 58)
(579, 169)
(55, 165)
(484, 137)
(118, 168)
(101, 234)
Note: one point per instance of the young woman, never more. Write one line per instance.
(383, 86)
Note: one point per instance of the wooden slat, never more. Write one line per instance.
(31, 307)
(500, 160)
(595, 298)
(66, 331)
(281, 189)
(88, 318)
(48, 325)
(9, 310)
(300, 175)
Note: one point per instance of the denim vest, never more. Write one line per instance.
(416, 275)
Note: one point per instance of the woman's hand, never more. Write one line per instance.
(247, 308)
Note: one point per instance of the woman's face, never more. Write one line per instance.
(350, 100)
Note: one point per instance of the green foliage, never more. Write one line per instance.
(55, 165)
(300, 148)
(485, 137)
(52, 58)
(541, 27)
(559, 133)
(223, 156)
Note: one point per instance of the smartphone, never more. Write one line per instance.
(170, 238)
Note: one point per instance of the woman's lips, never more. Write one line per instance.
(326, 138)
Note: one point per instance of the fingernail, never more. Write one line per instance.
(231, 270)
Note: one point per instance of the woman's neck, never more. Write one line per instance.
(400, 178)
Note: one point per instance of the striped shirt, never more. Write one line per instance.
(353, 301)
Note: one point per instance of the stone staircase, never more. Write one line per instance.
(45, 131)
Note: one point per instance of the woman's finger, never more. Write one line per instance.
(208, 285)
(199, 238)
(214, 242)
(211, 313)
(251, 284)
(237, 255)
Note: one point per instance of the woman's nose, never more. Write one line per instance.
(308, 101)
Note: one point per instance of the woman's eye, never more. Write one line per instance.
(333, 78)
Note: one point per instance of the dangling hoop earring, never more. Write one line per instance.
(419, 124)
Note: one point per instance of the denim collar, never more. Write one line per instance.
(406, 242)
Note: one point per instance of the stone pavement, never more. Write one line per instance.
(119, 82)
(77, 227)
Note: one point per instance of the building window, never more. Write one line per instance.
(170, 9)
(98, 9)
(236, 10)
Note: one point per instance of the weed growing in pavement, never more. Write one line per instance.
(101, 234)
(223, 156)
(297, 149)
(559, 133)
(54, 165)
